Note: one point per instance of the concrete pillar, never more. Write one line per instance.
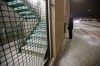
(59, 15)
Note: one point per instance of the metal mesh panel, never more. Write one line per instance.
(23, 33)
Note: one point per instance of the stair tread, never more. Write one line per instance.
(34, 49)
(37, 42)
(26, 14)
(36, 54)
(22, 10)
(36, 45)
(38, 35)
(17, 5)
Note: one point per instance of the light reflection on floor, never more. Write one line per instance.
(92, 40)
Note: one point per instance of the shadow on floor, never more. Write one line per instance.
(64, 51)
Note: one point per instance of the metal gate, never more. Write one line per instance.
(23, 33)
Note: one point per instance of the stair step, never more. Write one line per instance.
(34, 49)
(16, 5)
(42, 22)
(22, 10)
(30, 17)
(44, 33)
(33, 53)
(22, 7)
(38, 59)
(37, 42)
(26, 14)
(39, 38)
(34, 32)
(40, 30)
(38, 35)
(37, 45)
(41, 26)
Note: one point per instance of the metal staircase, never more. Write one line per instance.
(24, 9)
(33, 33)
(37, 41)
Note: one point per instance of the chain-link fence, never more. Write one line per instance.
(23, 33)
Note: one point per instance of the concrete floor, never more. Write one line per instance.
(82, 50)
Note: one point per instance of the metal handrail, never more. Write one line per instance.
(18, 23)
(31, 5)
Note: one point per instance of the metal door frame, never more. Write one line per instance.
(49, 36)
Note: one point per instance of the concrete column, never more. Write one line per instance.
(59, 14)
(59, 24)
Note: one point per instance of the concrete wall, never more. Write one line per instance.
(59, 15)
(59, 24)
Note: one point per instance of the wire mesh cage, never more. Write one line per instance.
(23, 32)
